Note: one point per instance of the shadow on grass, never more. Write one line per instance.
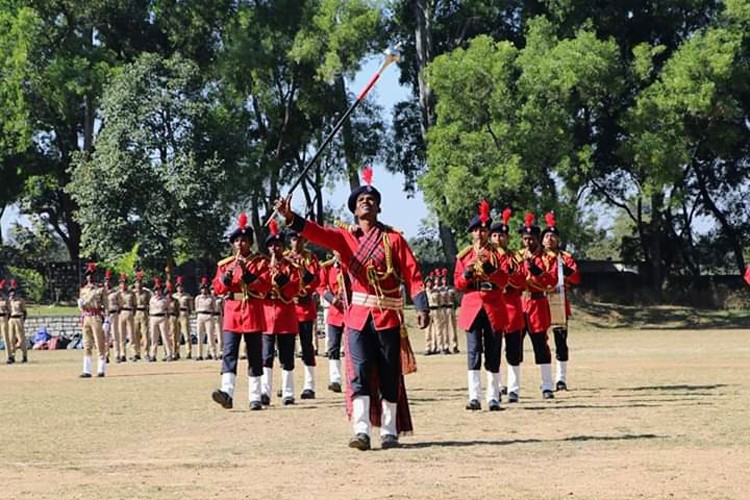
(555, 407)
(679, 387)
(509, 442)
(614, 316)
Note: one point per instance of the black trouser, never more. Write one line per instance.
(306, 342)
(481, 339)
(542, 354)
(334, 341)
(514, 347)
(253, 350)
(561, 343)
(286, 350)
(379, 349)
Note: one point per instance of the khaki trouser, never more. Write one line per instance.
(93, 335)
(117, 336)
(141, 338)
(5, 332)
(205, 324)
(17, 334)
(126, 328)
(174, 334)
(429, 337)
(452, 338)
(159, 329)
(184, 332)
(442, 331)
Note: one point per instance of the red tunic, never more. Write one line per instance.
(304, 303)
(482, 291)
(573, 279)
(747, 275)
(403, 267)
(535, 304)
(278, 305)
(513, 304)
(333, 284)
(243, 308)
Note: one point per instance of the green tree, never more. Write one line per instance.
(156, 177)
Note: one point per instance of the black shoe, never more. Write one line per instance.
(256, 405)
(165, 359)
(389, 441)
(361, 442)
(177, 356)
(10, 361)
(455, 350)
(287, 401)
(307, 394)
(208, 356)
(548, 395)
(100, 374)
(265, 399)
(220, 356)
(135, 358)
(503, 390)
(199, 358)
(446, 351)
(494, 405)
(428, 353)
(222, 398)
(278, 394)
(561, 386)
(189, 356)
(24, 360)
(107, 358)
(474, 405)
(118, 359)
(84, 375)
(334, 387)
(512, 397)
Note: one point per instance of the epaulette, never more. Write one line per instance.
(391, 229)
(463, 252)
(566, 254)
(327, 263)
(550, 253)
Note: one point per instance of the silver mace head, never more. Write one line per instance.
(392, 54)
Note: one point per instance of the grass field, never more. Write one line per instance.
(652, 413)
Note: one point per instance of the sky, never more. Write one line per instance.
(397, 210)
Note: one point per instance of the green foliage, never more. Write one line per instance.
(30, 281)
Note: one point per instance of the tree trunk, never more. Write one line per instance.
(423, 13)
(655, 244)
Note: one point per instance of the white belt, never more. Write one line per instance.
(367, 300)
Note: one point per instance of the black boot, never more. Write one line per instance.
(222, 398)
(361, 441)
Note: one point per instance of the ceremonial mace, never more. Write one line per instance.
(392, 54)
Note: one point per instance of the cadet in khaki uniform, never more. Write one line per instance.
(4, 329)
(431, 332)
(127, 307)
(91, 301)
(16, 329)
(158, 311)
(141, 338)
(114, 306)
(173, 323)
(204, 308)
(185, 308)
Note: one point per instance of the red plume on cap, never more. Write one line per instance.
(273, 227)
(550, 218)
(2, 284)
(445, 272)
(90, 267)
(506, 215)
(242, 220)
(13, 284)
(108, 274)
(157, 283)
(204, 280)
(367, 175)
(178, 280)
(484, 211)
(169, 286)
(528, 219)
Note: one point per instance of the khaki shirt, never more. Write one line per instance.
(184, 303)
(447, 296)
(127, 299)
(4, 306)
(142, 299)
(17, 307)
(433, 297)
(92, 298)
(113, 302)
(219, 306)
(159, 305)
(204, 304)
